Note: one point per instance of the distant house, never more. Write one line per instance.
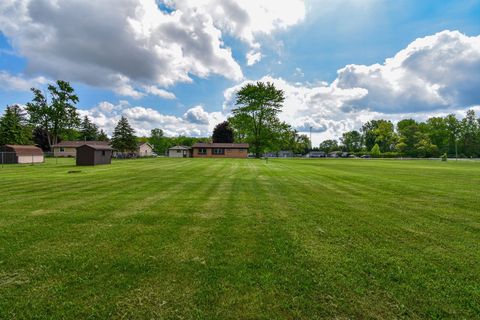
(316, 154)
(14, 153)
(271, 154)
(93, 154)
(69, 148)
(220, 150)
(144, 149)
(180, 152)
(279, 154)
(285, 154)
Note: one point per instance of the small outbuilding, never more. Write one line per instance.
(93, 154)
(144, 149)
(285, 154)
(69, 148)
(316, 154)
(23, 154)
(180, 152)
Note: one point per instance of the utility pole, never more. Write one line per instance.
(310, 138)
(456, 151)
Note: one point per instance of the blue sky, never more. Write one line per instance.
(302, 54)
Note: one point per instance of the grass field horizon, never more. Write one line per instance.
(240, 239)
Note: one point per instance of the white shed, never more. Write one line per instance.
(144, 149)
(21, 154)
(180, 152)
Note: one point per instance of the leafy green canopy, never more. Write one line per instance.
(57, 116)
(255, 120)
(256, 115)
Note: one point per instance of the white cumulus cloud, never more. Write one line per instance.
(19, 82)
(433, 76)
(195, 122)
(433, 72)
(133, 47)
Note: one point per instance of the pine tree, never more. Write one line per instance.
(123, 138)
(375, 152)
(88, 130)
(13, 127)
(102, 136)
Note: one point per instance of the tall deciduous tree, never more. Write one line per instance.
(329, 146)
(257, 108)
(123, 138)
(58, 115)
(158, 140)
(470, 135)
(352, 141)
(407, 132)
(439, 134)
(379, 132)
(88, 130)
(223, 133)
(13, 127)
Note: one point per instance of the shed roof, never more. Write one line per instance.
(221, 145)
(29, 150)
(75, 144)
(97, 146)
(179, 148)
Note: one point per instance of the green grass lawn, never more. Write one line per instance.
(240, 239)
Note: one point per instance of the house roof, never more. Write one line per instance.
(142, 143)
(74, 144)
(221, 145)
(97, 146)
(28, 150)
(179, 148)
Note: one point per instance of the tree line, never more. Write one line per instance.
(51, 117)
(448, 136)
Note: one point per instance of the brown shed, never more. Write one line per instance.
(91, 155)
(14, 153)
(69, 148)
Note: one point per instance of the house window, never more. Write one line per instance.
(103, 152)
(218, 151)
(178, 151)
(202, 151)
(62, 149)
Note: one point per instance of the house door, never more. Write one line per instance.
(184, 154)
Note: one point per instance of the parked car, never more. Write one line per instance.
(365, 156)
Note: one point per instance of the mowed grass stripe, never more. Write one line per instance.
(210, 238)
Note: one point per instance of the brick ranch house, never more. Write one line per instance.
(220, 150)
